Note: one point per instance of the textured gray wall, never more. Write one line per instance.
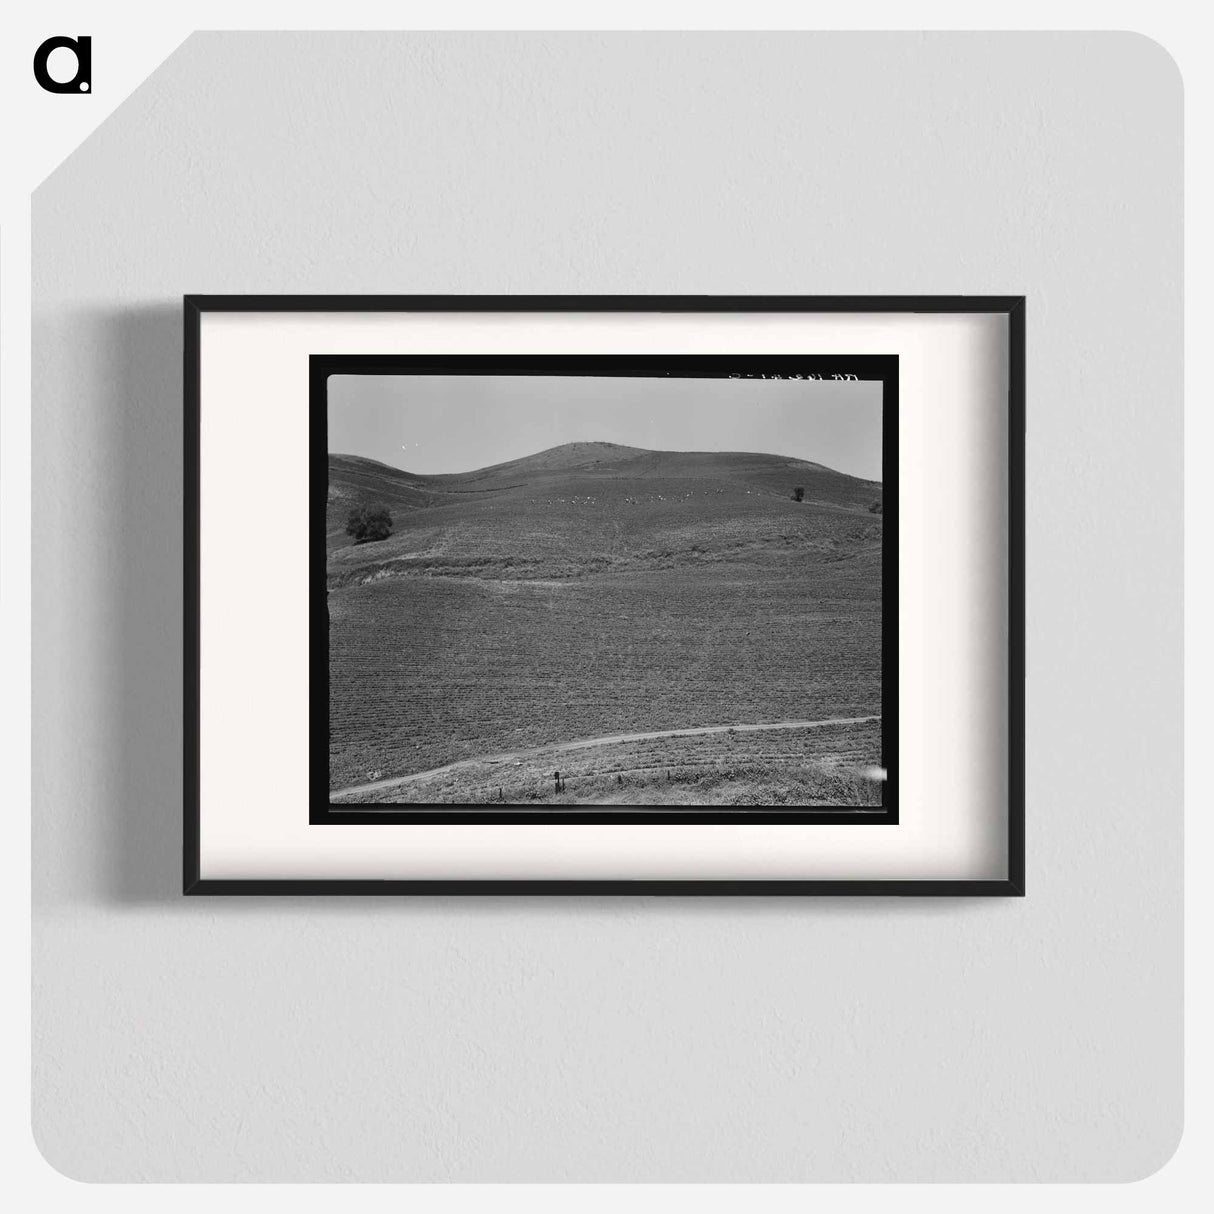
(629, 1039)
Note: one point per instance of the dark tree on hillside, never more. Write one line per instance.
(369, 523)
(875, 508)
(798, 494)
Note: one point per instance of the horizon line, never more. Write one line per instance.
(602, 443)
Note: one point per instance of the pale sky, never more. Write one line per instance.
(457, 423)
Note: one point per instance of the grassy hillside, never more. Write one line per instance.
(593, 589)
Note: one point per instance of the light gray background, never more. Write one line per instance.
(628, 1039)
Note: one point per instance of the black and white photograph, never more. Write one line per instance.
(551, 587)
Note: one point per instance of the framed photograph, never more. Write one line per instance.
(604, 595)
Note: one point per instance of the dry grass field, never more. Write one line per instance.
(596, 590)
(730, 768)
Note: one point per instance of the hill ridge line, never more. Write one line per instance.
(582, 457)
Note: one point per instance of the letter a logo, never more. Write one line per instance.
(82, 81)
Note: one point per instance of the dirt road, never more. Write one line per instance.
(612, 739)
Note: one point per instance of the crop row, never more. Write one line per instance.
(424, 671)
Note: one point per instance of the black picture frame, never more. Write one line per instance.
(1012, 307)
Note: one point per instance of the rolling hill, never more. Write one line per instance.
(586, 507)
(594, 589)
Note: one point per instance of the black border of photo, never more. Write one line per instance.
(880, 368)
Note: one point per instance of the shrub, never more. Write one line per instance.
(369, 523)
(798, 494)
(875, 508)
